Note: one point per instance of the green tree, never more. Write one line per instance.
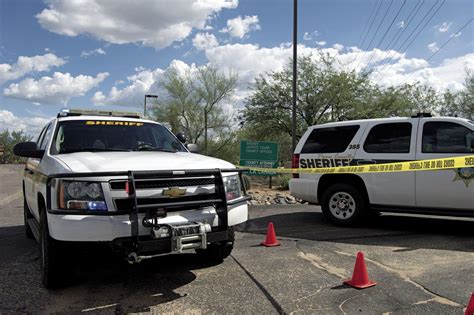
(194, 105)
(461, 103)
(8, 141)
(325, 94)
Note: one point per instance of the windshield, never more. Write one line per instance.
(107, 135)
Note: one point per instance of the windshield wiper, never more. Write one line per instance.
(153, 149)
(93, 150)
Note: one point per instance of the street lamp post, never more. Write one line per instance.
(295, 68)
(144, 105)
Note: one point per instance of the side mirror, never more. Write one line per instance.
(28, 149)
(181, 137)
(193, 148)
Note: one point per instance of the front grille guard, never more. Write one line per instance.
(219, 201)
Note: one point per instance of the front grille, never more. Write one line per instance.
(154, 184)
(126, 204)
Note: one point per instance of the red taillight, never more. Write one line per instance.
(127, 187)
(295, 163)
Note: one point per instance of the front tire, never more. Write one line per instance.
(50, 265)
(217, 252)
(27, 215)
(343, 204)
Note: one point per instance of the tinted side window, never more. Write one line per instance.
(446, 137)
(329, 140)
(41, 135)
(389, 138)
(46, 137)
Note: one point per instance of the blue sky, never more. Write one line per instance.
(127, 46)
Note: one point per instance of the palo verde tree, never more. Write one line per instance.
(193, 104)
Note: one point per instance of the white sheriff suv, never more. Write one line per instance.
(129, 183)
(346, 198)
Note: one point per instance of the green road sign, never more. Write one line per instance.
(262, 154)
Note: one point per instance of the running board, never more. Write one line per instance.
(34, 228)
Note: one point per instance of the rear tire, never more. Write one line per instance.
(343, 204)
(217, 252)
(27, 215)
(50, 264)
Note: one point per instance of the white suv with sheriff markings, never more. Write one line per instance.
(345, 198)
(129, 183)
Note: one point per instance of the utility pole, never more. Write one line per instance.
(144, 103)
(295, 69)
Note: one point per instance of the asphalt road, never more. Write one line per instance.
(421, 266)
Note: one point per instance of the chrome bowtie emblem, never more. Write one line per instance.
(174, 192)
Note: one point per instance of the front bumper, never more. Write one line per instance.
(106, 228)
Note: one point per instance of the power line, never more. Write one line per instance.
(450, 38)
(360, 42)
(380, 24)
(386, 31)
(401, 30)
(366, 24)
(372, 23)
(368, 30)
(416, 28)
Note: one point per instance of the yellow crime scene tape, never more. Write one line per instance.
(410, 166)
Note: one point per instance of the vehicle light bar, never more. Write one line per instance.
(92, 112)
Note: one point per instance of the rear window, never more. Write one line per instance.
(329, 140)
(389, 138)
(447, 137)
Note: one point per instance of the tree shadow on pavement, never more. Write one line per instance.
(103, 279)
(408, 233)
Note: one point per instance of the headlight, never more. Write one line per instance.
(233, 189)
(81, 196)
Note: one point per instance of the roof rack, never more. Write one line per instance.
(421, 114)
(92, 112)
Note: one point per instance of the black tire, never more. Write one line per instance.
(27, 215)
(217, 252)
(353, 204)
(50, 259)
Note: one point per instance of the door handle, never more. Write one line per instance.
(365, 162)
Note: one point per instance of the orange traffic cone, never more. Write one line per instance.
(360, 277)
(271, 240)
(470, 306)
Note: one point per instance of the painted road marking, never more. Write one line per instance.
(98, 307)
(10, 198)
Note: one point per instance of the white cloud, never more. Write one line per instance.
(321, 43)
(309, 36)
(450, 74)
(338, 47)
(444, 27)
(30, 125)
(25, 65)
(401, 24)
(132, 94)
(239, 26)
(433, 47)
(143, 82)
(454, 35)
(98, 51)
(203, 41)
(58, 89)
(155, 23)
(250, 60)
